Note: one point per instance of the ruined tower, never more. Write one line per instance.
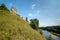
(13, 10)
(27, 19)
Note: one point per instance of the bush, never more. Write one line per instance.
(49, 37)
(34, 23)
(40, 31)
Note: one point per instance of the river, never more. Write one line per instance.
(47, 34)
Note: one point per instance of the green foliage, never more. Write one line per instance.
(41, 32)
(17, 14)
(49, 37)
(34, 23)
(55, 30)
(3, 7)
(56, 34)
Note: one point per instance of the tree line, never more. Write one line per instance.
(55, 29)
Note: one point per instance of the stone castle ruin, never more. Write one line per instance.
(3, 7)
(13, 10)
(27, 19)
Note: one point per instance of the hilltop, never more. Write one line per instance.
(14, 27)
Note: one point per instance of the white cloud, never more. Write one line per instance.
(11, 4)
(33, 6)
(30, 14)
(37, 13)
(34, 15)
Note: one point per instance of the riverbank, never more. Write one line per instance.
(58, 35)
(48, 34)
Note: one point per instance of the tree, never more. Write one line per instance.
(3, 7)
(34, 23)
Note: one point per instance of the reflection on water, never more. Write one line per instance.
(46, 33)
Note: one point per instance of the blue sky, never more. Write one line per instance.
(47, 11)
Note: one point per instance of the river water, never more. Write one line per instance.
(47, 34)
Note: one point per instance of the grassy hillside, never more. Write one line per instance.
(13, 27)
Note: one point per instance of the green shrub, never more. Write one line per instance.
(49, 37)
(34, 23)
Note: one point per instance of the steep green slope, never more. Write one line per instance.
(13, 27)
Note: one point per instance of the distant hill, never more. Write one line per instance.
(13, 27)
